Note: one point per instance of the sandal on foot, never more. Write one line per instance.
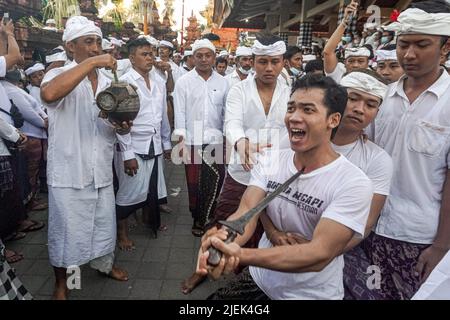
(34, 226)
(13, 256)
(15, 236)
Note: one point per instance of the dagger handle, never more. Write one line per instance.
(214, 254)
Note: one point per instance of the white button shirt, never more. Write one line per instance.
(35, 92)
(80, 144)
(233, 78)
(4, 101)
(7, 132)
(245, 117)
(417, 136)
(199, 108)
(151, 122)
(31, 110)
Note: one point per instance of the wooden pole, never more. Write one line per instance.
(182, 26)
(145, 18)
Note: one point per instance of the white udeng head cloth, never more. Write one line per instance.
(50, 21)
(59, 56)
(383, 55)
(415, 21)
(166, 44)
(107, 45)
(34, 68)
(366, 83)
(203, 43)
(276, 49)
(243, 51)
(188, 53)
(357, 52)
(79, 26)
(223, 53)
(150, 40)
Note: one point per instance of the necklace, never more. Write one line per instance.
(350, 152)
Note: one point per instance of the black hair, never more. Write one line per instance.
(390, 47)
(266, 38)
(434, 6)
(368, 46)
(291, 51)
(335, 97)
(221, 60)
(137, 43)
(211, 37)
(314, 65)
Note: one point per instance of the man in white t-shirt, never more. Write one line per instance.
(366, 91)
(328, 204)
(413, 126)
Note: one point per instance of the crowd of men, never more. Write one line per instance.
(365, 123)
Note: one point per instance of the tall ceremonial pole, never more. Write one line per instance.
(182, 25)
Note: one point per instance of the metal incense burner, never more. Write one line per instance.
(119, 102)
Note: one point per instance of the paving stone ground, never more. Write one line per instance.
(156, 267)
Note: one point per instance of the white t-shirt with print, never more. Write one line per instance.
(372, 160)
(338, 191)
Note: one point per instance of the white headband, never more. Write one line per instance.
(415, 21)
(383, 55)
(50, 21)
(276, 49)
(59, 56)
(116, 42)
(223, 53)
(79, 26)
(203, 43)
(166, 44)
(357, 52)
(34, 68)
(188, 53)
(107, 45)
(243, 51)
(309, 57)
(150, 40)
(365, 83)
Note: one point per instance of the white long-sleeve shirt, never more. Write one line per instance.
(4, 101)
(35, 92)
(245, 117)
(7, 132)
(80, 144)
(151, 122)
(31, 110)
(199, 108)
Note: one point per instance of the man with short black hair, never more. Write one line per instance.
(221, 65)
(328, 204)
